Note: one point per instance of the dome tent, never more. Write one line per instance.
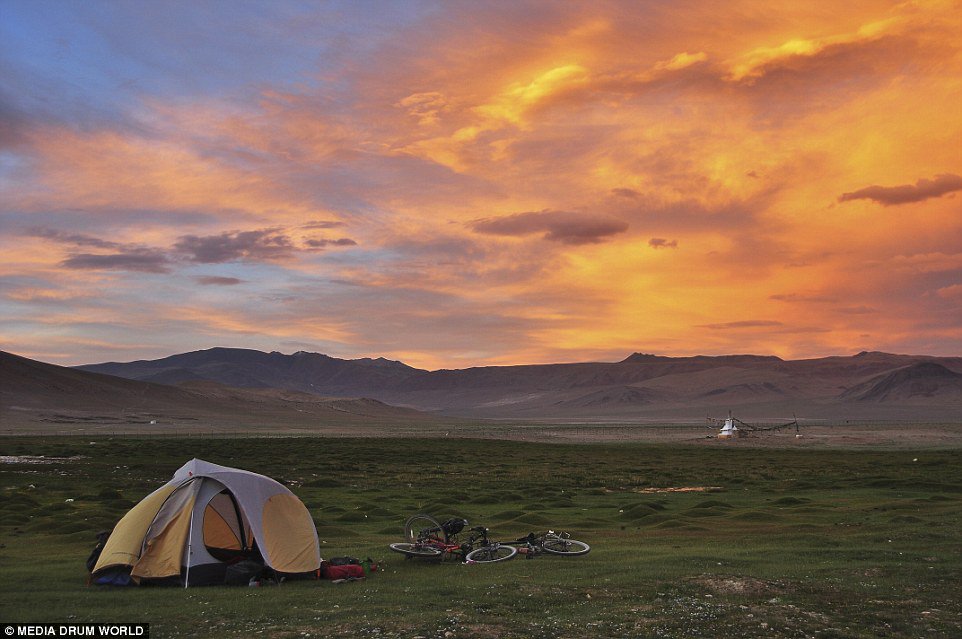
(207, 516)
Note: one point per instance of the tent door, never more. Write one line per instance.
(226, 532)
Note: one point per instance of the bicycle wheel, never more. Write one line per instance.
(420, 527)
(491, 553)
(415, 550)
(566, 547)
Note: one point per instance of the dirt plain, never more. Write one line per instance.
(854, 435)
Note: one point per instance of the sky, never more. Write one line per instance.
(458, 184)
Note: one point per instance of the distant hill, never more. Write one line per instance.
(26, 383)
(33, 392)
(615, 396)
(244, 368)
(641, 386)
(925, 382)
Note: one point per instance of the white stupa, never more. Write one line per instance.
(729, 430)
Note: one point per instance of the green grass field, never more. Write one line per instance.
(791, 543)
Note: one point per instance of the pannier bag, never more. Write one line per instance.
(453, 526)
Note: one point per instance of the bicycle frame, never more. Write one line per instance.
(538, 539)
(449, 544)
(533, 543)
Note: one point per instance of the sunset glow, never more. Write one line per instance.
(458, 184)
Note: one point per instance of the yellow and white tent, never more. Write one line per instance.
(188, 530)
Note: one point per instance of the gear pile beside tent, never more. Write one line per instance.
(205, 519)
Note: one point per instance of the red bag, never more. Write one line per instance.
(348, 571)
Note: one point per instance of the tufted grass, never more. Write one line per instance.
(781, 543)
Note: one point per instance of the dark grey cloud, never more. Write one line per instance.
(258, 245)
(321, 243)
(557, 226)
(77, 239)
(125, 257)
(907, 193)
(215, 280)
(141, 260)
(263, 244)
(660, 242)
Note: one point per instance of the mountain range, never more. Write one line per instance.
(869, 385)
(35, 395)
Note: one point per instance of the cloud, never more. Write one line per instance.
(620, 129)
(215, 280)
(76, 239)
(681, 61)
(127, 257)
(322, 224)
(953, 292)
(42, 295)
(321, 243)
(517, 100)
(558, 226)
(762, 60)
(426, 107)
(260, 245)
(924, 263)
(743, 324)
(626, 193)
(906, 193)
(856, 310)
(510, 109)
(142, 260)
(757, 62)
(800, 298)
(660, 242)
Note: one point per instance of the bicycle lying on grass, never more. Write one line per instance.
(425, 537)
(552, 543)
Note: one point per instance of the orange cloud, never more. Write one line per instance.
(681, 60)
(760, 60)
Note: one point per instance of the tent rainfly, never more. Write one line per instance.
(187, 531)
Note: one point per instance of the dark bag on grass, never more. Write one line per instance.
(453, 526)
(341, 561)
(113, 576)
(241, 573)
(95, 553)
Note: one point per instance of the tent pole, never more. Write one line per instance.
(190, 535)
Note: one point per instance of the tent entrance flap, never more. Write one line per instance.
(226, 531)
